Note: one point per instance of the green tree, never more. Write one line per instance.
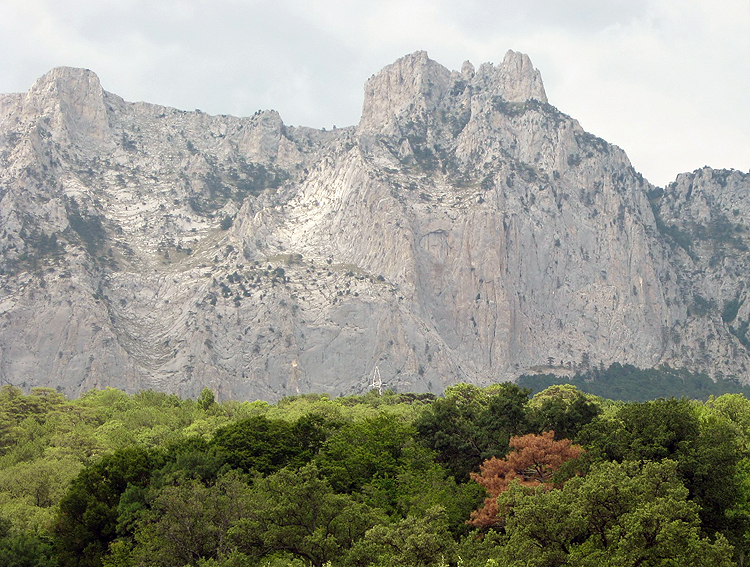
(42, 480)
(226, 222)
(707, 453)
(206, 399)
(189, 521)
(562, 409)
(25, 549)
(361, 451)
(88, 513)
(620, 514)
(420, 485)
(191, 458)
(297, 511)
(419, 540)
(471, 424)
(258, 444)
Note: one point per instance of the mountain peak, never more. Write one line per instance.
(76, 98)
(520, 80)
(415, 85)
(412, 83)
(67, 80)
(515, 79)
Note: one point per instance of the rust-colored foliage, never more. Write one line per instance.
(532, 462)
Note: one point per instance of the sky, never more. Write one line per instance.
(666, 80)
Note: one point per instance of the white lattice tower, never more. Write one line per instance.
(377, 382)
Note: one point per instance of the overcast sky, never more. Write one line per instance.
(666, 80)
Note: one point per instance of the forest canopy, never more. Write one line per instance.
(484, 477)
(627, 383)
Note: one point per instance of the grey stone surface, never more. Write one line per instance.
(465, 230)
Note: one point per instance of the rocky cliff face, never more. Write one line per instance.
(465, 230)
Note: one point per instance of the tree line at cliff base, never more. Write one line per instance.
(484, 477)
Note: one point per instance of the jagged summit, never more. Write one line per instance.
(517, 78)
(415, 86)
(465, 230)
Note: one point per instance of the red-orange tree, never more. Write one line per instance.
(532, 462)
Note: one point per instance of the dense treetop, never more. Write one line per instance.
(478, 477)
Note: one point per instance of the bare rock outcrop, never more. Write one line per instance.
(465, 230)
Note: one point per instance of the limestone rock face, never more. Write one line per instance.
(704, 214)
(465, 230)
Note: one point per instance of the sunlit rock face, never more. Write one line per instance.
(465, 230)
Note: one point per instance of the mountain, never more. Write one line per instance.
(464, 230)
